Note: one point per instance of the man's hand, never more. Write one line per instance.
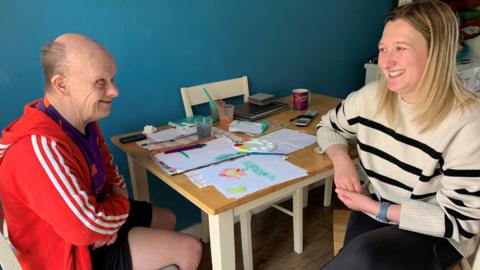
(105, 243)
(117, 190)
(344, 172)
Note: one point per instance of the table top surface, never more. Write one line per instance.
(212, 201)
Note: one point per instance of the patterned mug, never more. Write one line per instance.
(300, 99)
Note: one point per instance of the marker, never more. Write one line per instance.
(180, 149)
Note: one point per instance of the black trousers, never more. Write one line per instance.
(117, 255)
(371, 245)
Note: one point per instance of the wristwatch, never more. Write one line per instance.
(382, 214)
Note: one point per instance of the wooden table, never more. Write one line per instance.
(220, 210)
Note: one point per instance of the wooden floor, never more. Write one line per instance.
(272, 238)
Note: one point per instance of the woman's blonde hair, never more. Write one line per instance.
(442, 89)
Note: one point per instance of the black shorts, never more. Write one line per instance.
(117, 255)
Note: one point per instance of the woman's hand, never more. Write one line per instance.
(344, 172)
(358, 201)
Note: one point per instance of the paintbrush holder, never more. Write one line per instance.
(214, 113)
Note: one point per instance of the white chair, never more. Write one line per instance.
(194, 95)
(8, 261)
(473, 262)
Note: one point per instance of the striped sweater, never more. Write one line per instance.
(434, 175)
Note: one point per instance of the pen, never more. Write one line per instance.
(169, 140)
(266, 153)
(180, 149)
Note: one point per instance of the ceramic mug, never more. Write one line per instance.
(300, 99)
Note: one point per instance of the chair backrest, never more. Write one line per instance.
(473, 262)
(8, 260)
(195, 95)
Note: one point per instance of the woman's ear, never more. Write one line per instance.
(59, 83)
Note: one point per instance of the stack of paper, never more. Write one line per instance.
(215, 151)
(289, 140)
(247, 127)
(246, 175)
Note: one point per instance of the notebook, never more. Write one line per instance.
(252, 112)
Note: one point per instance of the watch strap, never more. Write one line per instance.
(382, 214)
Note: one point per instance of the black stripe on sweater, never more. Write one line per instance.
(448, 227)
(386, 179)
(463, 232)
(466, 192)
(399, 137)
(405, 166)
(379, 153)
(425, 178)
(337, 108)
(457, 202)
(459, 215)
(334, 126)
(462, 173)
(422, 196)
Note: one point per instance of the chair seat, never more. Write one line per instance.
(340, 220)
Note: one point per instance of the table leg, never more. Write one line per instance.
(298, 220)
(222, 242)
(246, 231)
(139, 180)
(305, 196)
(205, 236)
(327, 193)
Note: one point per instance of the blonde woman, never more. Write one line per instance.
(418, 138)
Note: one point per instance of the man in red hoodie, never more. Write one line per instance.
(65, 204)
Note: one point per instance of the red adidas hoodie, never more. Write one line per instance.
(51, 215)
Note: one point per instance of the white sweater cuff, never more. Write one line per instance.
(326, 137)
(422, 217)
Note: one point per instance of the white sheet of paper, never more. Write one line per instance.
(215, 151)
(198, 179)
(242, 176)
(169, 134)
(289, 140)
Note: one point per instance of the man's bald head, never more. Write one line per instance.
(67, 51)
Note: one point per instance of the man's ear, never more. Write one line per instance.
(59, 83)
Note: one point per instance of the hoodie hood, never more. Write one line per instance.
(33, 121)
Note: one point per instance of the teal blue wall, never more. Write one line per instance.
(162, 45)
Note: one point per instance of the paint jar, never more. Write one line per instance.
(226, 114)
(204, 127)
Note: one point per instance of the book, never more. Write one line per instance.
(252, 112)
(187, 121)
(261, 99)
(248, 127)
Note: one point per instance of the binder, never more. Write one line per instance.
(252, 112)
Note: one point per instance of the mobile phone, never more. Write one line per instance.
(303, 121)
(133, 138)
(310, 114)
